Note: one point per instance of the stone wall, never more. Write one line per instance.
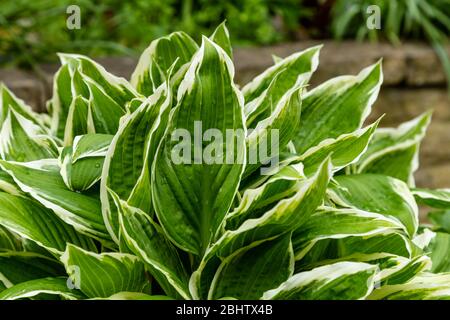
(413, 83)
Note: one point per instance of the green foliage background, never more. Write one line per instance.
(32, 31)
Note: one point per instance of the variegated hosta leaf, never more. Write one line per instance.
(23, 140)
(439, 198)
(337, 107)
(427, 286)
(9, 240)
(286, 215)
(33, 221)
(8, 185)
(278, 93)
(423, 238)
(79, 120)
(9, 102)
(377, 193)
(31, 246)
(331, 223)
(344, 150)
(438, 252)
(105, 112)
(339, 281)
(94, 110)
(116, 88)
(44, 286)
(147, 240)
(192, 196)
(394, 269)
(405, 270)
(42, 181)
(396, 243)
(156, 60)
(276, 58)
(441, 220)
(102, 275)
(133, 105)
(107, 95)
(394, 151)
(58, 107)
(82, 163)
(247, 274)
(299, 66)
(127, 166)
(17, 267)
(274, 132)
(221, 36)
(289, 213)
(256, 202)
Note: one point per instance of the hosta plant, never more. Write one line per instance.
(120, 191)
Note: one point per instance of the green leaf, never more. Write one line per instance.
(276, 58)
(42, 181)
(221, 36)
(441, 219)
(395, 242)
(394, 269)
(249, 273)
(9, 102)
(278, 93)
(8, 185)
(102, 275)
(17, 267)
(33, 221)
(439, 198)
(147, 240)
(288, 214)
(61, 101)
(105, 113)
(438, 252)
(331, 223)
(285, 216)
(116, 88)
(379, 194)
(406, 270)
(394, 151)
(255, 202)
(33, 288)
(22, 140)
(189, 212)
(300, 67)
(338, 106)
(344, 150)
(156, 60)
(127, 166)
(273, 133)
(339, 281)
(9, 240)
(82, 163)
(427, 286)
(79, 120)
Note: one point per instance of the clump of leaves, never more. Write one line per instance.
(92, 205)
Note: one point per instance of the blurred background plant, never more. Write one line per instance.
(401, 19)
(32, 31)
